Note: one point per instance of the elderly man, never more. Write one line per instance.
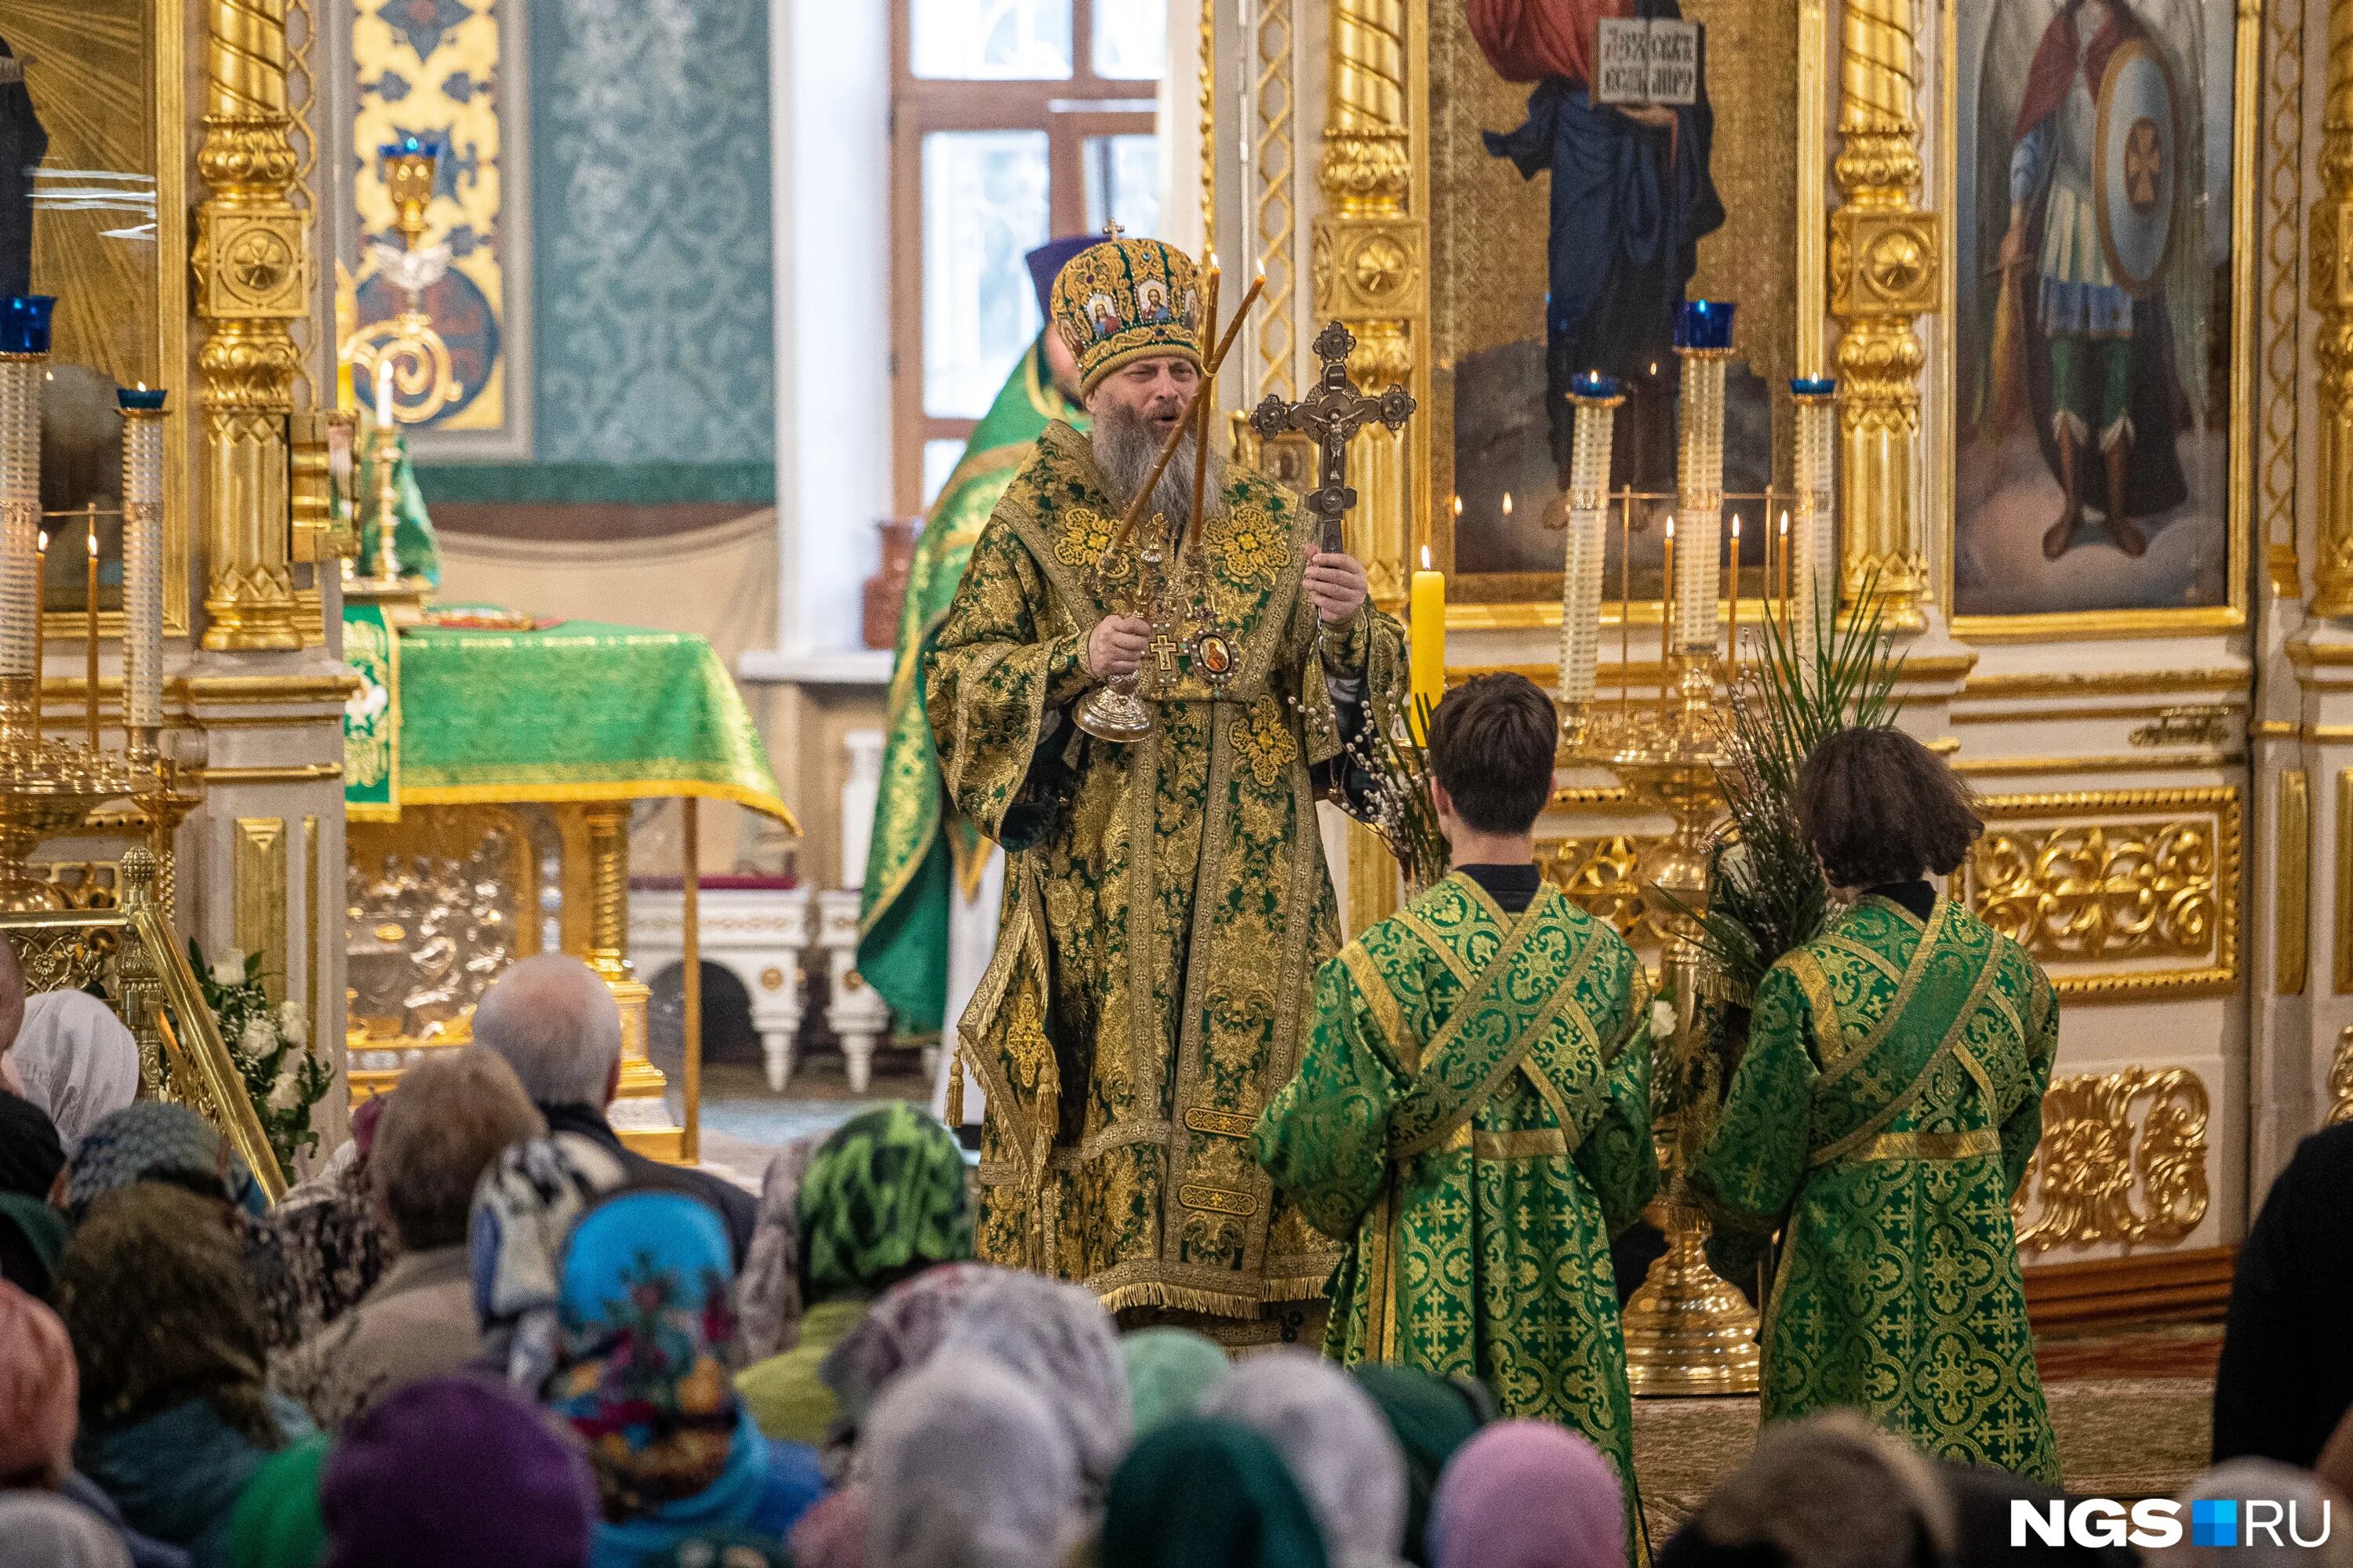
(1165, 900)
(558, 1028)
(449, 1120)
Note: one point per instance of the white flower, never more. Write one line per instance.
(292, 1026)
(286, 1094)
(259, 1038)
(1662, 1019)
(228, 969)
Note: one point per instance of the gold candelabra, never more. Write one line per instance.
(407, 341)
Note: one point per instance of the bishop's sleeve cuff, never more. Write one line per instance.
(1347, 645)
(1067, 679)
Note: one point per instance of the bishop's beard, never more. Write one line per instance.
(1125, 446)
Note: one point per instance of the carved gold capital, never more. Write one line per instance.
(2123, 1158)
(1367, 268)
(1885, 260)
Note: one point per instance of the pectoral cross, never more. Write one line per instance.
(1330, 417)
(1162, 649)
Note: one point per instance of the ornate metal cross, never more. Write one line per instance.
(1330, 417)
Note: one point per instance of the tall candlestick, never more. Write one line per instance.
(1595, 399)
(1666, 613)
(1201, 438)
(40, 615)
(89, 604)
(1814, 573)
(1732, 629)
(1625, 605)
(23, 346)
(1704, 340)
(1780, 586)
(142, 562)
(1426, 665)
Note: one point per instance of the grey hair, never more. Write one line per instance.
(1834, 1491)
(557, 1026)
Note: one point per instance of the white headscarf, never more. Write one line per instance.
(42, 1530)
(1335, 1440)
(967, 1467)
(75, 1060)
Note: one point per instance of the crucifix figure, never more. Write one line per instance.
(1330, 416)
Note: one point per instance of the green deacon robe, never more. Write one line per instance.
(1472, 1119)
(1880, 1117)
(1165, 901)
(918, 852)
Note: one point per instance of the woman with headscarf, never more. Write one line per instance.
(884, 1199)
(1527, 1494)
(644, 1319)
(1339, 1448)
(1057, 1337)
(1828, 1491)
(277, 1522)
(524, 1205)
(1207, 1494)
(902, 1331)
(965, 1466)
(176, 1417)
(1168, 1370)
(768, 1302)
(158, 1141)
(456, 1472)
(1430, 1417)
(323, 1245)
(75, 1060)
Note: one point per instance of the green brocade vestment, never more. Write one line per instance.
(920, 853)
(1472, 1119)
(1880, 1117)
(1165, 901)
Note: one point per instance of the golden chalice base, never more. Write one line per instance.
(1688, 1332)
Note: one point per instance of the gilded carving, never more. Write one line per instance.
(2284, 201)
(1273, 209)
(2134, 877)
(439, 903)
(2340, 1079)
(1603, 877)
(2123, 1158)
(2332, 298)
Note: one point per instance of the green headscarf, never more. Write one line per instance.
(884, 1194)
(278, 1523)
(1433, 1416)
(1168, 1370)
(1207, 1494)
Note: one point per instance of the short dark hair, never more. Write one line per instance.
(1492, 741)
(1877, 806)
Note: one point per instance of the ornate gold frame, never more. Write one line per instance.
(2095, 808)
(165, 85)
(2239, 488)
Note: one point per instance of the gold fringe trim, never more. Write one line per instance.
(1303, 1287)
(1181, 1298)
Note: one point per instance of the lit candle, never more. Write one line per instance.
(383, 392)
(1201, 435)
(1781, 586)
(142, 560)
(1595, 398)
(23, 346)
(90, 600)
(1666, 611)
(1625, 604)
(1732, 634)
(1426, 665)
(40, 615)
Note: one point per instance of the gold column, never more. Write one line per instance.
(1883, 276)
(2332, 298)
(258, 885)
(605, 889)
(1370, 273)
(253, 274)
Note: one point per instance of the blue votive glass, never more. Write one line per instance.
(1704, 324)
(24, 324)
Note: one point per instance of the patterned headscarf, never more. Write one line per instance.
(155, 1293)
(156, 1140)
(39, 1392)
(769, 1303)
(1207, 1494)
(1527, 1494)
(524, 1206)
(967, 1468)
(1057, 1337)
(75, 1060)
(639, 1376)
(1334, 1437)
(1431, 1416)
(900, 1333)
(884, 1194)
(1169, 1370)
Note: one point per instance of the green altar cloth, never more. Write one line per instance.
(581, 711)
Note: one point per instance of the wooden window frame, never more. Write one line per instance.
(1070, 110)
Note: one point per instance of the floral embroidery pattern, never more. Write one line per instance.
(1086, 535)
(1252, 548)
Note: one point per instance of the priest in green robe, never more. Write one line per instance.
(1167, 899)
(1883, 1113)
(924, 863)
(1472, 1119)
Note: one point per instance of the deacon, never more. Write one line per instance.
(1166, 898)
(1472, 1119)
(933, 883)
(1880, 1118)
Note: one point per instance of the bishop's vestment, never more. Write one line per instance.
(1880, 1117)
(1472, 1119)
(1165, 901)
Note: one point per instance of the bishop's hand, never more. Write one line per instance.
(1335, 581)
(1115, 647)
